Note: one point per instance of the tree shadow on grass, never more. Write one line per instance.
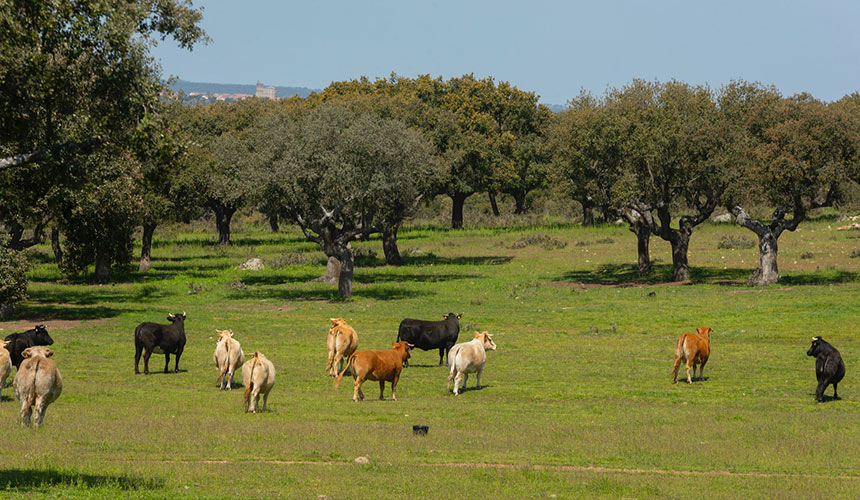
(90, 295)
(32, 479)
(43, 312)
(279, 279)
(486, 260)
(325, 294)
(412, 277)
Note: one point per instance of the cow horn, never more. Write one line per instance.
(171, 315)
(183, 314)
(411, 346)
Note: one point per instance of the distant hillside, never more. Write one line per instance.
(557, 108)
(236, 88)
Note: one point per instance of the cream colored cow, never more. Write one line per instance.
(228, 358)
(342, 342)
(5, 365)
(259, 377)
(469, 357)
(37, 384)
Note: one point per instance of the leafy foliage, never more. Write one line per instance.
(13, 276)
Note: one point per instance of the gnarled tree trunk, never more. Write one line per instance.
(223, 216)
(636, 225)
(680, 242)
(519, 201)
(344, 282)
(55, 244)
(458, 199)
(146, 247)
(389, 245)
(493, 204)
(587, 211)
(102, 269)
(768, 237)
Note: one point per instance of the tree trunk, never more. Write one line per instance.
(493, 203)
(608, 214)
(102, 269)
(389, 245)
(587, 212)
(520, 201)
(16, 232)
(146, 247)
(459, 200)
(643, 237)
(332, 272)
(223, 215)
(273, 222)
(344, 282)
(55, 245)
(767, 273)
(680, 267)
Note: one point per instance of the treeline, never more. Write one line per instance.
(113, 152)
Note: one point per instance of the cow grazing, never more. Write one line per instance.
(376, 365)
(37, 384)
(228, 357)
(693, 350)
(160, 339)
(342, 342)
(469, 357)
(259, 377)
(5, 365)
(427, 335)
(20, 341)
(829, 367)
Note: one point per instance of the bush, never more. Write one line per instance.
(293, 259)
(732, 242)
(13, 276)
(545, 241)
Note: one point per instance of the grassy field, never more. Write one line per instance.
(577, 403)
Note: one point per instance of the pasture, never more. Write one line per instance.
(577, 400)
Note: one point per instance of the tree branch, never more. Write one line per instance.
(39, 154)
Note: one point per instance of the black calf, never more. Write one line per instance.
(829, 368)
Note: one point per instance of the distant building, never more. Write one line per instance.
(267, 92)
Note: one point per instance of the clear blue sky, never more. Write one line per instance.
(551, 48)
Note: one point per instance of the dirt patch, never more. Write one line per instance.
(7, 327)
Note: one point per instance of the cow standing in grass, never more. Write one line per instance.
(160, 339)
(829, 367)
(228, 357)
(5, 365)
(469, 357)
(376, 365)
(20, 341)
(693, 350)
(37, 384)
(342, 342)
(427, 335)
(259, 377)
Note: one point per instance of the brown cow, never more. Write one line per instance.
(342, 342)
(694, 350)
(377, 365)
(37, 384)
(5, 365)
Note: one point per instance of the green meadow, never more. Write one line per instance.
(577, 401)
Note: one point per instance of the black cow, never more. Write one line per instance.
(428, 335)
(21, 341)
(160, 339)
(829, 368)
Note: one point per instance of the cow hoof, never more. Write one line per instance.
(837, 398)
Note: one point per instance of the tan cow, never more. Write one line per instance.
(377, 365)
(5, 365)
(694, 350)
(469, 357)
(259, 377)
(342, 342)
(38, 383)
(228, 357)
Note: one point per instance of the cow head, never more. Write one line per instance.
(452, 316)
(487, 340)
(4, 344)
(224, 334)
(403, 346)
(36, 351)
(815, 348)
(337, 324)
(336, 321)
(174, 318)
(704, 331)
(41, 336)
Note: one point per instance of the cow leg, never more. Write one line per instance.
(702, 370)
(41, 408)
(457, 380)
(228, 380)
(479, 377)
(356, 393)
(146, 356)
(166, 362)
(688, 367)
(138, 348)
(819, 391)
(394, 387)
(266, 402)
(176, 364)
(381, 389)
(26, 411)
(441, 354)
(336, 364)
(835, 396)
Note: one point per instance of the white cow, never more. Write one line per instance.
(469, 357)
(37, 384)
(5, 365)
(259, 377)
(228, 358)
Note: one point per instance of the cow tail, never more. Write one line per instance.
(398, 335)
(250, 384)
(349, 363)
(32, 396)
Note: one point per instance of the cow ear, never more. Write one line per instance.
(25, 353)
(48, 353)
(459, 316)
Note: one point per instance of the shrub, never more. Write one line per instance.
(731, 242)
(13, 276)
(292, 259)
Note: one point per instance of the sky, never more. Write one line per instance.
(554, 49)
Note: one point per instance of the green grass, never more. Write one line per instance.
(577, 403)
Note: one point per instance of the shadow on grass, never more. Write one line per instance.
(318, 294)
(412, 277)
(426, 260)
(280, 279)
(629, 275)
(42, 312)
(32, 479)
(90, 295)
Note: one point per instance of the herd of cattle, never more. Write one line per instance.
(38, 382)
